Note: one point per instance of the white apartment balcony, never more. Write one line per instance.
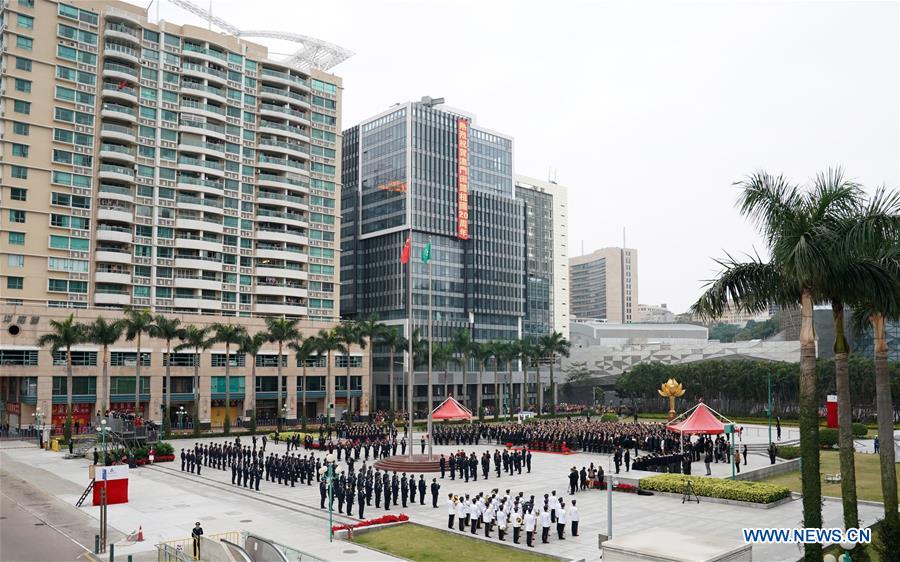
(120, 92)
(117, 14)
(107, 233)
(203, 53)
(204, 72)
(114, 214)
(109, 277)
(118, 71)
(197, 243)
(116, 192)
(115, 172)
(200, 166)
(282, 236)
(209, 92)
(195, 303)
(125, 52)
(282, 254)
(112, 131)
(197, 283)
(198, 224)
(213, 187)
(112, 110)
(278, 272)
(278, 111)
(282, 182)
(124, 32)
(287, 165)
(292, 219)
(286, 309)
(287, 148)
(284, 76)
(187, 125)
(202, 147)
(280, 290)
(112, 298)
(282, 199)
(191, 203)
(282, 129)
(112, 256)
(201, 108)
(117, 152)
(198, 263)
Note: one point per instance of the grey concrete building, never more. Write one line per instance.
(604, 285)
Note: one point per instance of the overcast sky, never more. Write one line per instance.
(647, 111)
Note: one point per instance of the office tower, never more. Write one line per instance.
(604, 285)
(546, 257)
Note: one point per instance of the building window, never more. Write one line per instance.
(79, 359)
(26, 3)
(24, 22)
(23, 64)
(180, 359)
(237, 360)
(128, 359)
(15, 260)
(341, 361)
(269, 360)
(27, 358)
(22, 107)
(15, 282)
(19, 193)
(17, 238)
(23, 85)
(125, 385)
(80, 385)
(20, 150)
(17, 216)
(317, 361)
(21, 128)
(25, 43)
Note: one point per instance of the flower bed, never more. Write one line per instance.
(156, 459)
(384, 519)
(737, 490)
(630, 488)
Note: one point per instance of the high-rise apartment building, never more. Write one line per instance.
(604, 285)
(163, 166)
(655, 314)
(427, 167)
(546, 257)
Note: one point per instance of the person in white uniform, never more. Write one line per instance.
(530, 523)
(501, 523)
(451, 511)
(573, 518)
(545, 525)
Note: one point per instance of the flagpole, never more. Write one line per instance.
(412, 358)
(430, 405)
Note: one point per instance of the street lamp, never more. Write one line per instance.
(284, 411)
(103, 430)
(38, 416)
(330, 474)
(180, 414)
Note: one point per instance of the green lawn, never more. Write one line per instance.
(868, 476)
(425, 544)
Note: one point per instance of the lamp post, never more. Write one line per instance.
(103, 430)
(330, 474)
(283, 412)
(38, 416)
(181, 413)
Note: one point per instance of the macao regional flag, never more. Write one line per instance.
(115, 480)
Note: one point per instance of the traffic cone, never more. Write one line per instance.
(140, 536)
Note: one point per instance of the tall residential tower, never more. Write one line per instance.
(604, 286)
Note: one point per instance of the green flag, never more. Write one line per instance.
(426, 253)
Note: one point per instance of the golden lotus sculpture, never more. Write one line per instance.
(671, 389)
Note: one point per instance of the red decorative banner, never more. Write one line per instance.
(462, 170)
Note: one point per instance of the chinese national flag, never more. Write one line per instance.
(407, 247)
(121, 85)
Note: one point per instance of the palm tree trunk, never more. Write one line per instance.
(104, 382)
(465, 381)
(68, 423)
(349, 409)
(329, 387)
(478, 393)
(524, 385)
(197, 388)
(253, 388)
(391, 386)
(885, 422)
(845, 421)
(137, 378)
(540, 386)
(498, 400)
(509, 374)
(168, 419)
(227, 389)
(552, 388)
(446, 380)
(809, 426)
(371, 380)
(303, 397)
(278, 388)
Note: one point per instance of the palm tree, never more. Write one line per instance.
(64, 335)
(553, 345)
(799, 227)
(228, 334)
(874, 232)
(462, 344)
(372, 329)
(442, 354)
(251, 345)
(510, 352)
(495, 351)
(526, 355)
(304, 351)
(103, 333)
(137, 322)
(349, 334)
(328, 341)
(167, 329)
(281, 331)
(195, 339)
(394, 341)
(481, 352)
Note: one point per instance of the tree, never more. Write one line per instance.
(64, 335)
(136, 324)
(553, 345)
(462, 344)
(443, 354)
(371, 329)
(329, 342)
(527, 354)
(394, 341)
(495, 351)
(281, 331)
(167, 329)
(349, 334)
(103, 333)
(481, 352)
(799, 227)
(229, 334)
(195, 339)
(304, 351)
(250, 345)
(508, 352)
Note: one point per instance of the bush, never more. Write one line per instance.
(788, 452)
(739, 490)
(609, 417)
(164, 449)
(251, 425)
(860, 430)
(828, 438)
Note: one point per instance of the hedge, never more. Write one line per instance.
(609, 418)
(860, 429)
(788, 452)
(828, 437)
(739, 490)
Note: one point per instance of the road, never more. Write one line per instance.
(23, 536)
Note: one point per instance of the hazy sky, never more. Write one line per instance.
(647, 111)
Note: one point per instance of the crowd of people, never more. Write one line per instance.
(467, 465)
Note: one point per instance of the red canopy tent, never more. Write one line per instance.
(450, 409)
(699, 419)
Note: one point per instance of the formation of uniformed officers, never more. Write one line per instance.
(487, 510)
(359, 487)
(511, 462)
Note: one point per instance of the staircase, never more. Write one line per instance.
(82, 446)
(84, 495)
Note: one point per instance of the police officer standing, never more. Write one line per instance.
(435, 488)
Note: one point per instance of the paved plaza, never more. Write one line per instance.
(165, 502)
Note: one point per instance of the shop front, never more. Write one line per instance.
(81, 417)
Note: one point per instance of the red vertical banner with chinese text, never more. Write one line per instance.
(462, 169)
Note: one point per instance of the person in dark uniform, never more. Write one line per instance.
(422, 489)
(350, 493)
(196, 533)
(404, 489)
(338, 491)
(422, 443)
(435, 488)
(395, 488)
(234, 469)
(452, 465)
(183, 459)
(323, 493)
(257, 476)
(368, 488)
(412, 488)
(528, 461)
(377, 487)
(442, 463)
(361, 500)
